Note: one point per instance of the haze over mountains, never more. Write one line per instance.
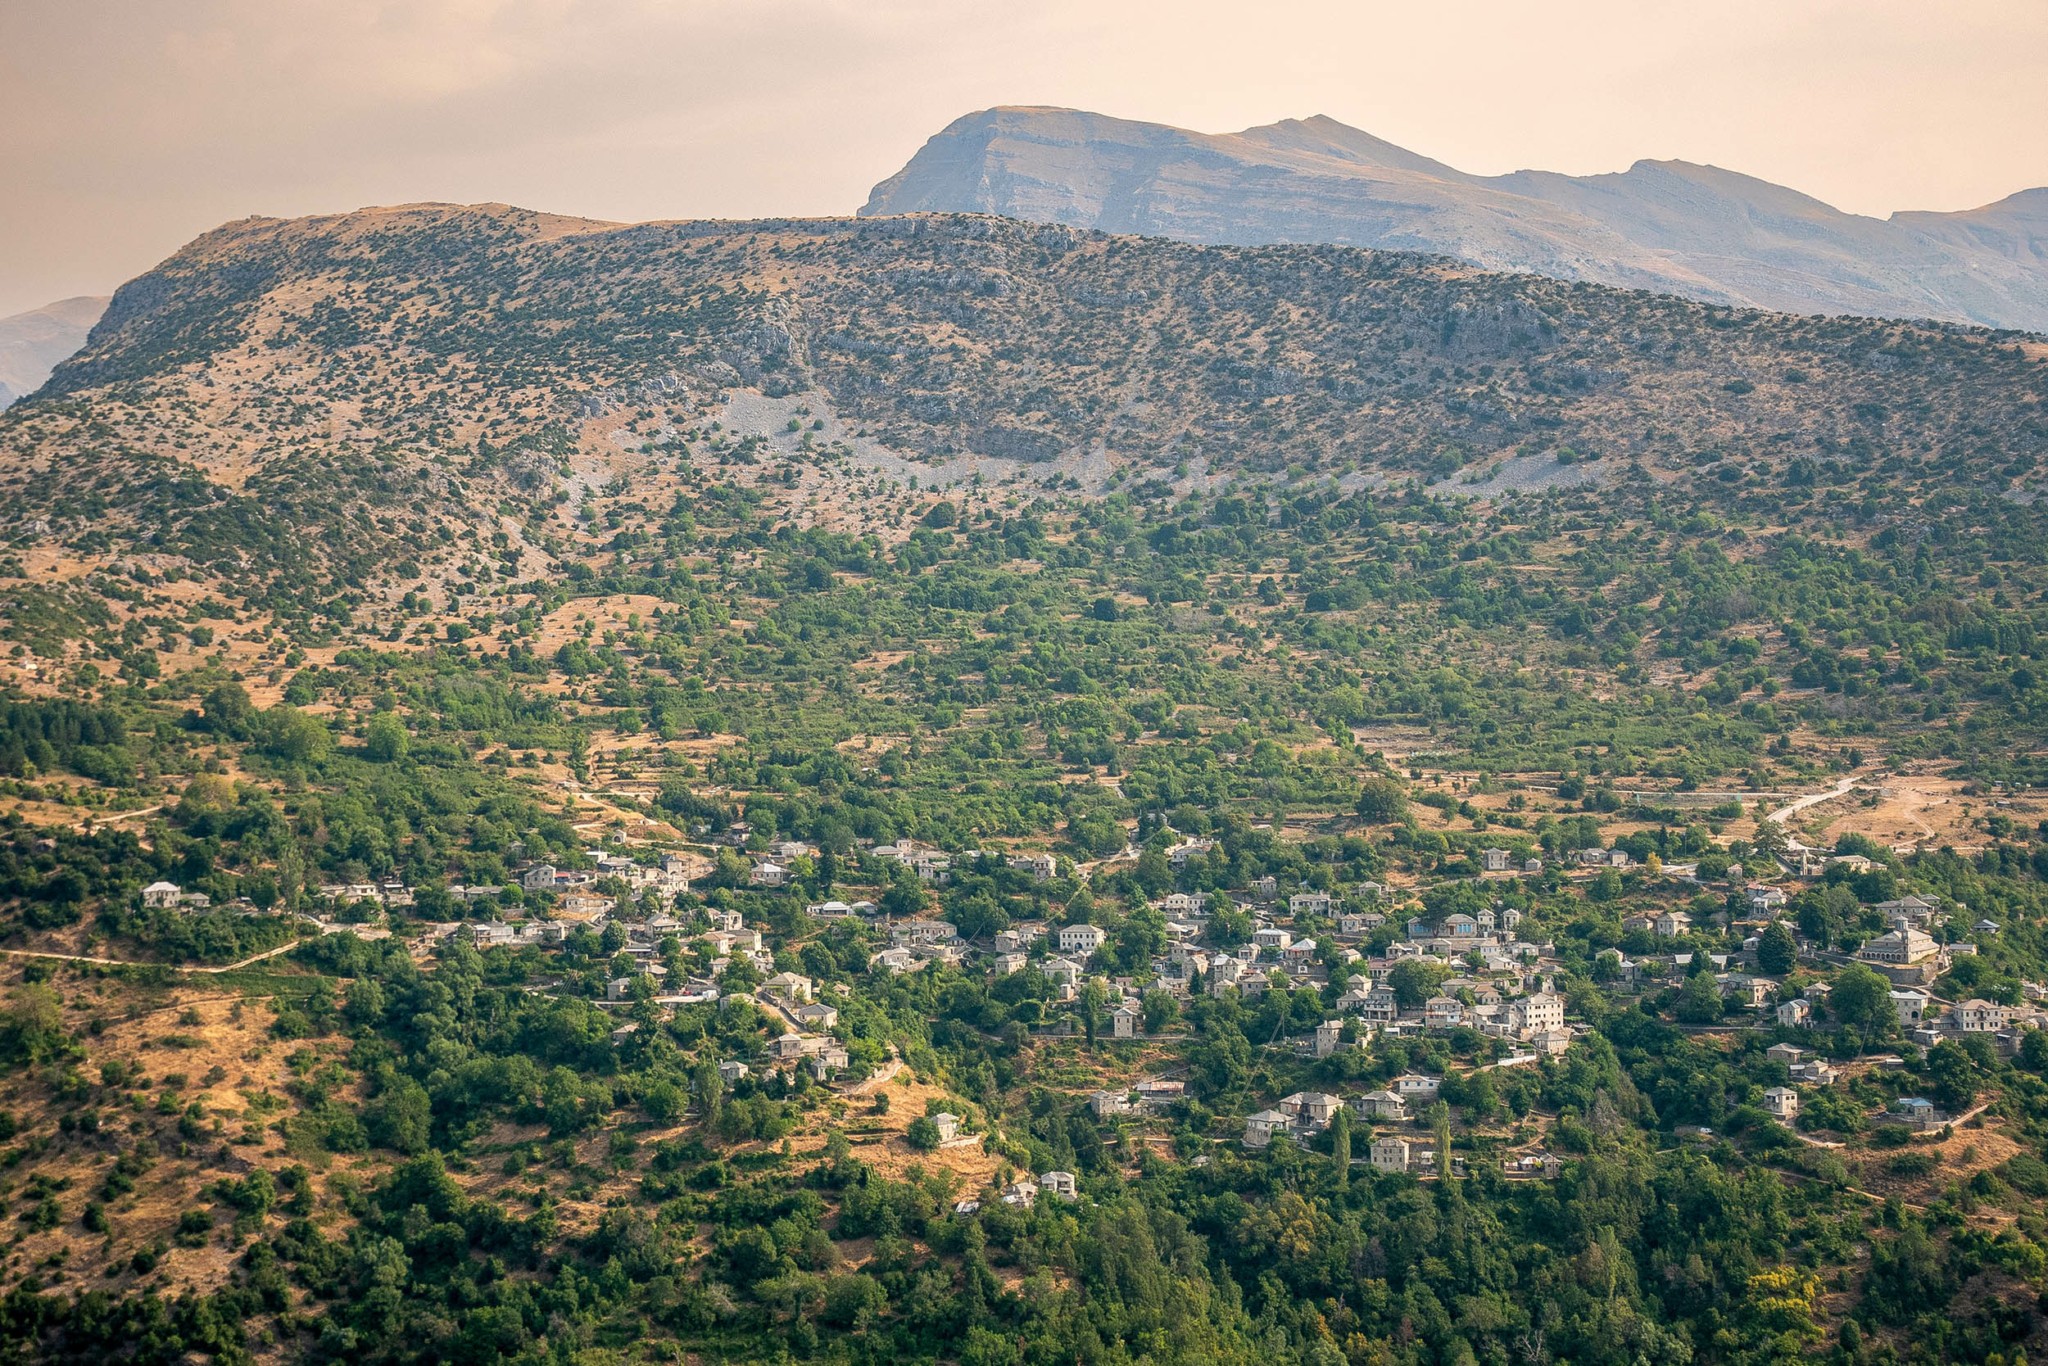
(1670, 226)
(32, 343)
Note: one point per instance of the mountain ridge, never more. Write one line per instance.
(331, 408)
(1674, 226)
(34, 342)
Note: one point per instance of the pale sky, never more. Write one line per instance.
(129, 126)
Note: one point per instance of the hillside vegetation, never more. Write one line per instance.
(541, 760)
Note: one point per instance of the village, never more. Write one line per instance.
(1482, 988)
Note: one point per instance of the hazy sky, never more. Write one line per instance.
(129, 126)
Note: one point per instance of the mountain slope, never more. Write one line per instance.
(1670, 226)
(437, 397)
(32, 343)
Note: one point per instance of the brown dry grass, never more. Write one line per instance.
(219, 1044)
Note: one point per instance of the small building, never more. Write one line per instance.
(1383, 1105)
(1443, 1012)
(160, 895)
(1795, 1014)
(1103, 1104)
(816, 1015)
(1414, 1086)
(1039, 867)
(1782, 1102)
(947, 1124)
(1311, 1110)
(1917, 1111)
(1060, 1185)
(1911, 1005)
(791, 986)
(1081, 939)
(1978, 1016)
(1127, 1021)
(1259, 1129)
(1391, 1154)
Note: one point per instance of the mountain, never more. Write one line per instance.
(1670, 226)
(301, 408)
(32, 343)
(443, 627)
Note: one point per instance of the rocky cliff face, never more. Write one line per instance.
(1670, 226)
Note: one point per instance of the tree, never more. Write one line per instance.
(1221, 1062)
(1414, 981)
(385, 739)
(32, 1026)
(1776, 952)
(1699, 1000)
(1862, 1001)
(1340, 1147)
(1382, 802)
(401, 1118)
(664, 1102)
(1093, 998)
(287, 733)
(1953, 1075)
(710, 1089)
(227, 710)
(1770, 841)
(1161, 1010)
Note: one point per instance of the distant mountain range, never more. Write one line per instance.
(1670, 226)
(32, 343)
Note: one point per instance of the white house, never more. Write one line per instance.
(1443, 1012)
(1413, 1086)
(1543, 1010)
(1059, 1184)
(1782, 1102)
(1081, 939)
(1977, 1016)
